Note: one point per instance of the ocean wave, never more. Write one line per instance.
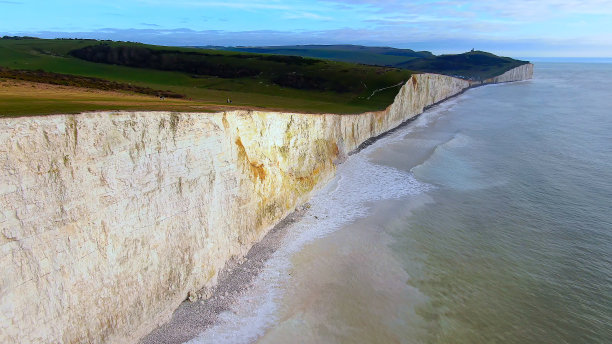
(451, 165)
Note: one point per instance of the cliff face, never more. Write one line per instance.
(522, 72)
(108, 220)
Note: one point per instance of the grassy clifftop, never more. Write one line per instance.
(205, 78)
(350, 79)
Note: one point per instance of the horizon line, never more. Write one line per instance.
(309, 44)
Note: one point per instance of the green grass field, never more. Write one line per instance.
(253, 91)
(23, 98)
(207, 78)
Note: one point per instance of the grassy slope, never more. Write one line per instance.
(52, 56)
(22, 98)
(40, 76)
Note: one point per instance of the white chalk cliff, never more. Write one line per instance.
(108, 220)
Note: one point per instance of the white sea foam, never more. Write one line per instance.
(345, 199)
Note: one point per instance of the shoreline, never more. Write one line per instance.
(373, 139)
(172, 200)
(196, 314)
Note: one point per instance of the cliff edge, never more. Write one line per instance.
(108, 220)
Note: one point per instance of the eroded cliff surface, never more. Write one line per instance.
(523, 72)
(108, 220)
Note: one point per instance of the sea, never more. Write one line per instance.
(486, 220)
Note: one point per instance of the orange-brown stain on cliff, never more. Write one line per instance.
(225, 122)
(414, 82)
(335, 150)
(380, 116)
(307, 183)
(257, 170)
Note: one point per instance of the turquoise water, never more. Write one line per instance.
(517, 245)
(487, 220)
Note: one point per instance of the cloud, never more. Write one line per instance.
(244, 5)
(306, 15)
(525, 9)
(11, 2)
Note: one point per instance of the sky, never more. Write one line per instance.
(517, 28)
